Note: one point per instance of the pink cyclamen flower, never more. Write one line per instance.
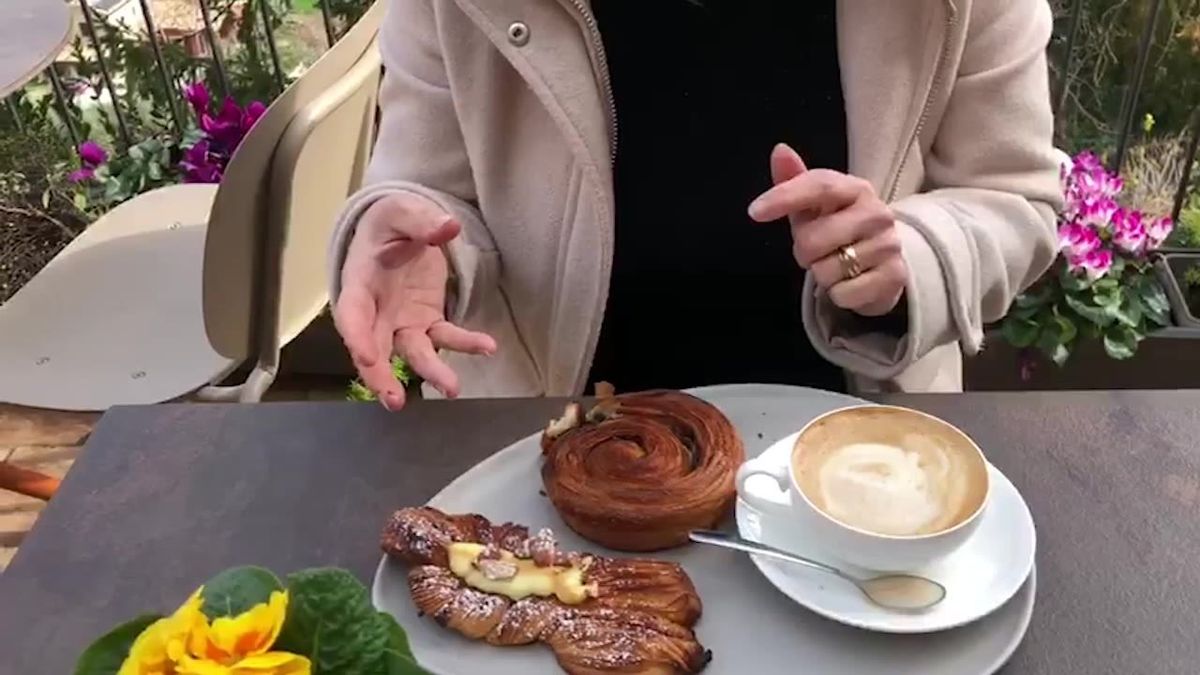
(199, 166)
(92, 154)
(1099, 184)
(1088, 162)
(82, 175)
(253, 112)
(1158, 230)
(1098, 213)
(1077, 240)
(1129, 231)
(1095, 264)
(198, 97)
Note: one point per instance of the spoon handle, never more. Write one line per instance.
(732, 541)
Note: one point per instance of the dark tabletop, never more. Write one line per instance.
(165, 496)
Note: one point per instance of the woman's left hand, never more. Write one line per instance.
(842, 233)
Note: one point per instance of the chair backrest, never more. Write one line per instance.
(264, 258)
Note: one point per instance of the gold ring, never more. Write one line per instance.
(850, 265)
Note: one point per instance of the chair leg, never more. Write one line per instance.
(250, 391)
(26, 482)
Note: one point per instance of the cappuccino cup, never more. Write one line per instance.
(879, 487)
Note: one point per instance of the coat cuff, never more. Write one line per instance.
(844, 339)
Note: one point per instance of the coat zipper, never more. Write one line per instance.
(597, 44)
(905, 151)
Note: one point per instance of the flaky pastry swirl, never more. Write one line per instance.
(638, 623)
(639, 471)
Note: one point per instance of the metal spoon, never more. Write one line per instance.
(896, 592)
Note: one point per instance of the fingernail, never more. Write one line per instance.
(389, 400)
(756, 209)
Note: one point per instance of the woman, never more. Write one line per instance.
(683, 192)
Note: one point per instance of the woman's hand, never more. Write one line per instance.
(393, 297)
(842, 233)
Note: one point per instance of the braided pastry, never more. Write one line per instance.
(639, 471)
(639, 621)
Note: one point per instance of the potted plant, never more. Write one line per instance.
(1103, 287)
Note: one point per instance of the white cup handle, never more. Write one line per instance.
(757, 467)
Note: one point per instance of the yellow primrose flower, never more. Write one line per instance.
(238, 645)
(185, 643)
(271, 663)
(164, 642)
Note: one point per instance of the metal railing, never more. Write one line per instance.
(169, 82)
(1068, 38)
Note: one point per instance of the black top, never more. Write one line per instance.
(704, 90)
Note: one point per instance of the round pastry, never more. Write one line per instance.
(639, 471)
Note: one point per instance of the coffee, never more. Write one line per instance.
(890, 471)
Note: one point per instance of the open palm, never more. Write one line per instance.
(393, 297)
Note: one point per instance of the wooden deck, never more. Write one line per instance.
(41, 440)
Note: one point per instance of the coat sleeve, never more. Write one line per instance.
(983, 229)
(419, 148)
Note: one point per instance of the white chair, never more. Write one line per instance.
(170, 293)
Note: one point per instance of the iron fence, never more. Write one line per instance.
(168, 80)
(1069, 38)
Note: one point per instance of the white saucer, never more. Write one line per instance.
(979, 577)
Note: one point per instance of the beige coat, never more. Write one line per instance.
(501, 112)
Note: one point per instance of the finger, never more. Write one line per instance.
(875, 292)
(821, 191)
(822, 237)
(446, 335)
(354, 318)
(410, 218)
(786, 164)
(414, 345)
(379, 377)
(871, 253)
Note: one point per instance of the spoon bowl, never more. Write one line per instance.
(907, 593)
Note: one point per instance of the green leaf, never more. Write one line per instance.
(105, 655)
(399, 664)
(332, 605)
(1020, 332)
(1121, 343)
(1035, 298)
(136, 153)
(397, 638)
(1071, 281)
(1065, 329)
(1154, 299)
(154, 171)
(1024, 312)
(80, 201)
(1096, 315)
(236, 590)
(399, 657)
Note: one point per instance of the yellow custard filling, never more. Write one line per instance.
(565, 583)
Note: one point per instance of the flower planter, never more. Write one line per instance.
(1168, 359)
(1184, 297)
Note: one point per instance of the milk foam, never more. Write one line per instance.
(888, 489)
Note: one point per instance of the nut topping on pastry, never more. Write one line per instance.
(635, 615)
(571, 419)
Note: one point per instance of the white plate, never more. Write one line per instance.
(750, 626)
(979, 577)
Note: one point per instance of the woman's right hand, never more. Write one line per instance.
(393, 297)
